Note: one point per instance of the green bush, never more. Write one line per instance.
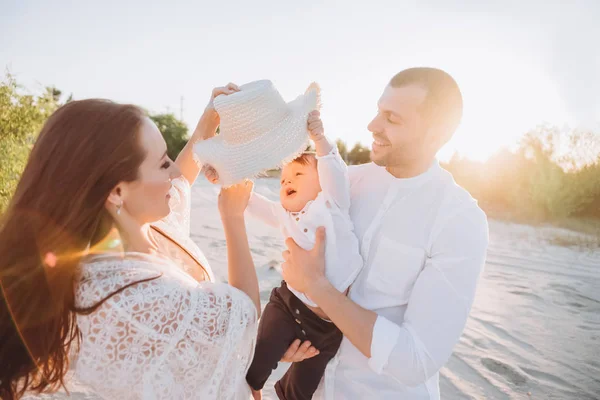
(358, 155)
(549, 177)
(21, 117)
(173, 130)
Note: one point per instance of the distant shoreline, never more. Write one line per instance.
(584, 232)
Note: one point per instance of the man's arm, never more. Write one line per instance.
(355, 322)
(437, 310)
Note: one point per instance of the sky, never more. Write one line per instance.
(518, 63)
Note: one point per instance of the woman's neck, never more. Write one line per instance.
(136, 238)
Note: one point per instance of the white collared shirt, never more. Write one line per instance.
(330, 209)
(423, 241)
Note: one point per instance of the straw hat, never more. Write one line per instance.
(258, 131)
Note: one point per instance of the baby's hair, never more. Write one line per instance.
(306, 158)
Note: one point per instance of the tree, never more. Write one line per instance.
(21, 118)
(359, 155)
(342, 149)
(174, 132)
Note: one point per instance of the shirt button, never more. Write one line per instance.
(298, 321)
(302, 212)
(305, 230)
(297, 219)
(304, 333)
(297, 311)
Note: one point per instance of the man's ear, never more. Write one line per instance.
(436, 137)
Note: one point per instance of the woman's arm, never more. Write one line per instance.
(206, 128)
(240, 266)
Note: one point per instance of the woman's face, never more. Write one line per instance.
(147, 199)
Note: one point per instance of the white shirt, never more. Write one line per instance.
(424, 242)
(330, 209)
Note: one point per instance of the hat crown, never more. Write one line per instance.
(251, 112)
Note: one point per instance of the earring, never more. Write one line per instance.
(119, 208)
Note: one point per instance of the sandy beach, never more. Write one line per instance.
(534, 330)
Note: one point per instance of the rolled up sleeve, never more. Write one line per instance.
(385, 337)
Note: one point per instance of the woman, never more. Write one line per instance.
(147, 322)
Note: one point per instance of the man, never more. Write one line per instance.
(423, 240)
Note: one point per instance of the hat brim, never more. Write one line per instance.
(275, 148)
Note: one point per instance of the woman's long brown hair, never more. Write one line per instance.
(83, 151)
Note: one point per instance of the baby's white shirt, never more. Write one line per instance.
(330, 209)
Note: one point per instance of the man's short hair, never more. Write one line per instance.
(443, 105)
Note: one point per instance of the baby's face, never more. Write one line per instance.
(299, 185)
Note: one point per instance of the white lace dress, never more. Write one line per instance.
(167, 338)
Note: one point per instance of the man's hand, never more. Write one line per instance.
(297, 353)
(304, 270)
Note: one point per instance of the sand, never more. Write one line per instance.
(533, 332)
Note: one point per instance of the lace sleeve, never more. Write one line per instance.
(169, 339)
(180, 203)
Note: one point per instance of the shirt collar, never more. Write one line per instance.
(418, 180)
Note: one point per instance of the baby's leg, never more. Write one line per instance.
(276, 332)
(302, 379)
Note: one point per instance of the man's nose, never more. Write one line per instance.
(372, 127)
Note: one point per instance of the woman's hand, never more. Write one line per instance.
(297, 353)
(210, 119)
(234, 199)
(206, 128)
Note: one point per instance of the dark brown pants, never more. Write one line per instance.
(284, 320)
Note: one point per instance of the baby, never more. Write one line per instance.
(315, 191)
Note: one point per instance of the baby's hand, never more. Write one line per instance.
(315, 126)
(211, 174)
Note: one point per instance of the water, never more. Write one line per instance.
(533, 332)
